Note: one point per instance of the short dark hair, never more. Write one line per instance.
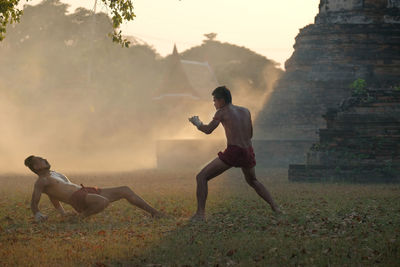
(28, 162)
(224, 93)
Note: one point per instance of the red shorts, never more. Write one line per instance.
(238, 157)
(77, 199)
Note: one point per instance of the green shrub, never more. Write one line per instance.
(358, 87)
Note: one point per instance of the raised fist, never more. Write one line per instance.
(196, 121)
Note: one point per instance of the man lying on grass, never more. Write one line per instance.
(238, 127)
(85, 200)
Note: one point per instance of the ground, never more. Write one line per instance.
(324, 224)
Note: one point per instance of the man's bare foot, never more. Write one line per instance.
(276, 210)
(198, 218)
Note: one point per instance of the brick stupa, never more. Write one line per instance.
(350, 39)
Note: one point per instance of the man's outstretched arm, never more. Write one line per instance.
(205, 128)
(37, 193)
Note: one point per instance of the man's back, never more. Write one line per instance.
(237, 124)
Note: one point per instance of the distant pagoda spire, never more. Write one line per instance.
(175, 81)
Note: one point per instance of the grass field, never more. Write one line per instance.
(324, 224)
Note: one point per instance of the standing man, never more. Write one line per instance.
(238, 127)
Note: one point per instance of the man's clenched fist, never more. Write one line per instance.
(196, 121)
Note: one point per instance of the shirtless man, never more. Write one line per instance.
(85, 200)
(239, 153)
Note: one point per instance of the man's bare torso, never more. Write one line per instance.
(237, 124)
(58, 186)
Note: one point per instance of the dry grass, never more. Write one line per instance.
(325, 224)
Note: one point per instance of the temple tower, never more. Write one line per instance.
(350, 39)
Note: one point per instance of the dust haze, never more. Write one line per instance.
(69, 94)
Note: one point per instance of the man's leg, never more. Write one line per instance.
(251, 179)
(213, 169)
(117, 193)
(95, 204)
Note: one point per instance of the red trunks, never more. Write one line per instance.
(238, 157)
(77, 199)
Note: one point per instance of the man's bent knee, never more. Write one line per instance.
(201, 177)
(125, 190)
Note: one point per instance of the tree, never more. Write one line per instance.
(9, 13)
(231, 63)
(121, 10)
(210, 36)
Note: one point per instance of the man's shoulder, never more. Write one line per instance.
(58, 175)
(54, 173)
(240, 108)
(41, 182)
(219, 114)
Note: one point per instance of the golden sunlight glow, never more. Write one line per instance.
(267, 27)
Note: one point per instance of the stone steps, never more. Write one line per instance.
(357, 144)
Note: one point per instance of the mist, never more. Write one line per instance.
(68, 94)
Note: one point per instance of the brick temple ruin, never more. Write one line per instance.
(350, 40)
(361, 141)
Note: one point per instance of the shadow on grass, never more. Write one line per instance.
(230, 235)
(237, 223)
(324, 225)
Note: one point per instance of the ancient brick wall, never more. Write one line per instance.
(360, 143)
(339, 5)
(351, 42)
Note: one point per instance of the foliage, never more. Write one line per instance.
(210, 36)
(121, 10)
(9, 13)
(232, 63)
(315, 147)
(324, 225)
(67, 61)
(358, 87)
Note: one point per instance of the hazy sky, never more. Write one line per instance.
(267, 27)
